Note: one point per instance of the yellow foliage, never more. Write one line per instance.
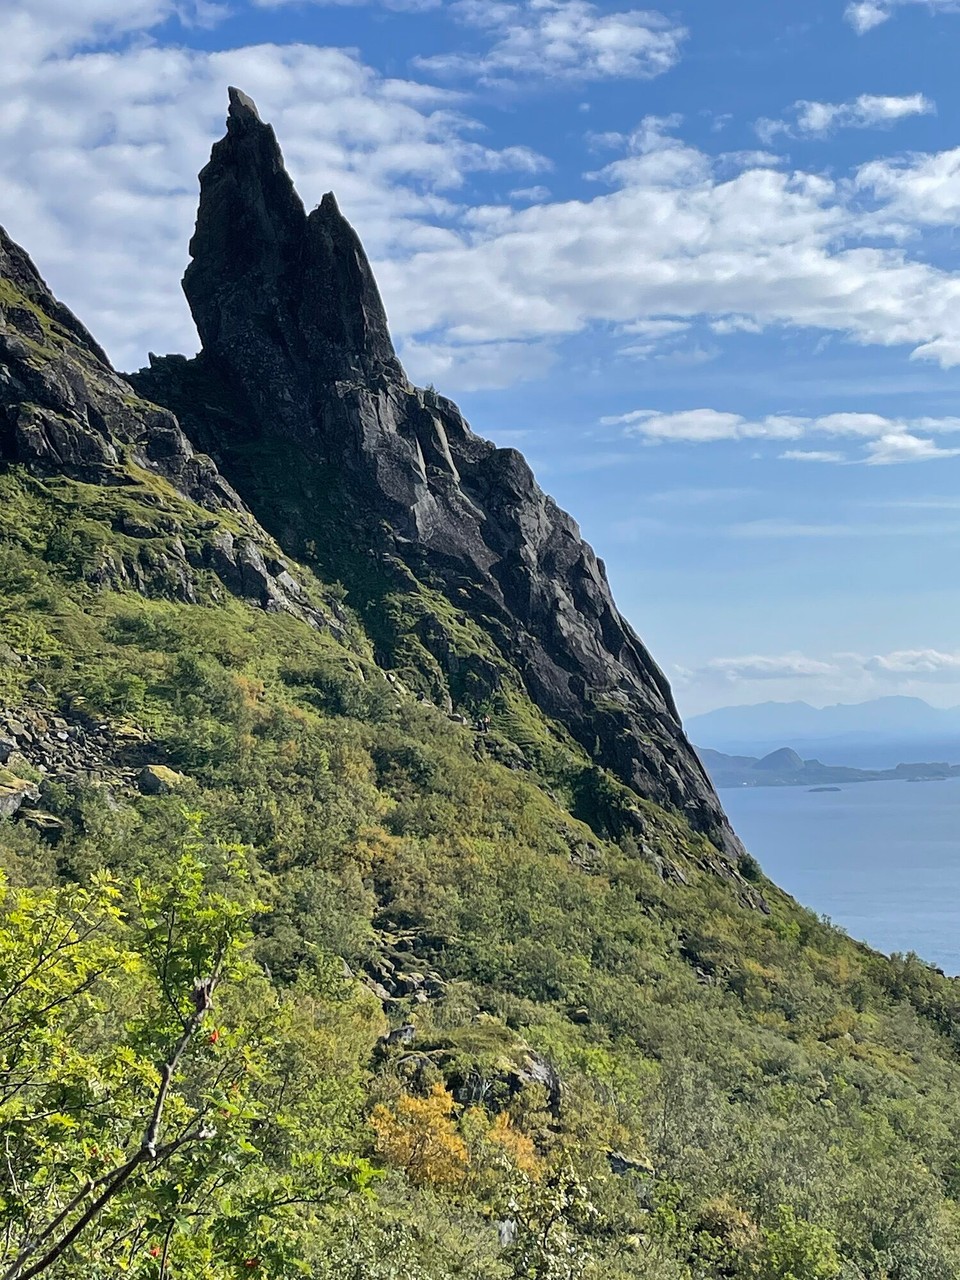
(375, 847)
(420, 1137)
(757, 970)
(839, 969)
(843, 1023)
(252, 691)
(727, 1223)
(518, 1148)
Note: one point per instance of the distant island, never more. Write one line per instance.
(786, 768)
(871, 735)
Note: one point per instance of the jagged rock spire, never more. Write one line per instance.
(241, 105)
(270, 287)
(342, 307)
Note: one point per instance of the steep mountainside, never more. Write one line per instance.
(297, 365)
(307, 967)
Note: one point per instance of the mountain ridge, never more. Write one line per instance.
(880, 725)
(296, 357)
(785, 768)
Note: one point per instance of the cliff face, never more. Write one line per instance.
(64, 412)
(297, 365)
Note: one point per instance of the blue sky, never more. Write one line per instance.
(697, 262)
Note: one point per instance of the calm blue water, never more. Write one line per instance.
(881, 859)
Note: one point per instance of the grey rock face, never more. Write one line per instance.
(14, 793)
(294, 333)
(63, 409)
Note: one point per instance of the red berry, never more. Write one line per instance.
(214, 1037)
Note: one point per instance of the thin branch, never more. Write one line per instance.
(147, 1152)
(120, 1179)
(33, 1245)
(166, 1250)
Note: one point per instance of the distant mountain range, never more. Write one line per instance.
(786, 768)
(877, 734)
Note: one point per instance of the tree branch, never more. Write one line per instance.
(147, 1152)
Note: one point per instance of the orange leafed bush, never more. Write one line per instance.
(518, 1148)
(420, 1137)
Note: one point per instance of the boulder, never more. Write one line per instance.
(158, 780)
(49, 828)
(15, 792)
(399, 1038)
(621, 1165)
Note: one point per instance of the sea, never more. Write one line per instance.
(880, 859)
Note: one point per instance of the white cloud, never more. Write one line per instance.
(749, 160)
(863, 113)
(919, 664)
(901, 446)
(813, 455)
(530, 195)
(922, 189)
(656, 328)
(562, 38)
(659, 339)
(885, 440)
(43, 27)
(903, 667)
(735, 324)
(401, 6)
(767, 129)
(789, 666)
(704, 425)
(864, 15)
(764, 246)
(818, 119)
(98, 152)
(471, 366)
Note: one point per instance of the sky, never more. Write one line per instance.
(697, 262)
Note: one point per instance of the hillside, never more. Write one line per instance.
(367, 913)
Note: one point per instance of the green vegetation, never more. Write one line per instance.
(608, 1063)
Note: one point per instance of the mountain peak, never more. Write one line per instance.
(299, 396)
(273, 291)
(242, 106)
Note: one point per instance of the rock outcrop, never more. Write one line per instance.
(297, 364)
(64, 411)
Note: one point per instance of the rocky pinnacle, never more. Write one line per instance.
(295, 333)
